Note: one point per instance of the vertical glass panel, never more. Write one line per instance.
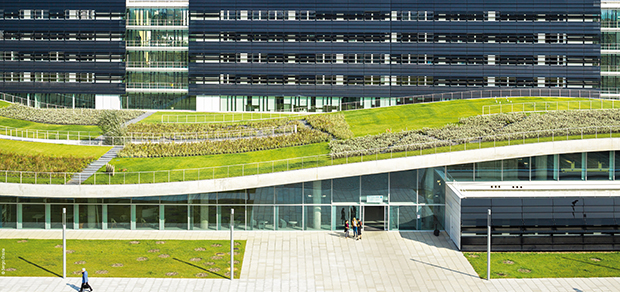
(407, 217)
(431, 217)
(543, 167)
(261, 217)
(461, 172)
(598, 165)
(175, 217)
(117, 201)
(431, 188)
(489, 171)
(8, 216)
(571, 166)
(289, 194)
(375, 185)
(343, 213)
(56, 216)
(347, 189)
(394, 217)
(119, 217)
(147, 216)
(90, 216)
(261, 196)
(318, 192)
(289, 218)
(33, 216)
(403, 186)
(318, 218)
(225, 217)
(8, 199)
(516, 169)
(233, 197)
(204, 217)
(145, 200)
(207, 198)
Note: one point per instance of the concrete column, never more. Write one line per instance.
(204, 217)
(429, 184)
(316, 199)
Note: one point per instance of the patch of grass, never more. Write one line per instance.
(546, 264)
(432, 115)
(46, 131)
(4, 104)
(52, 150)
(119, 258)
(203, 117)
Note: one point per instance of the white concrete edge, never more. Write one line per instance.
(310, 174)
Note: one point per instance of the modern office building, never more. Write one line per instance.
(294, 56)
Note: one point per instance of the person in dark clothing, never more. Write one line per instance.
(359, 230)
(85, 281)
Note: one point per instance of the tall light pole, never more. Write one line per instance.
(64, 243)
(232, 244)
(489, 245)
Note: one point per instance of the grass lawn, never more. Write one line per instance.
(203, 117)
(4, 104)
(432, 115)
(546, 264)
(122, 258)
(55, 150)
(56, 131)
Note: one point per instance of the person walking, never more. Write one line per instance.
(346, 228)
(359, 230)
(85, 281)
(354, 222)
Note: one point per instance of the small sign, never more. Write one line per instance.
(374, 199)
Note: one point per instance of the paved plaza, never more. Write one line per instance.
(313, 261)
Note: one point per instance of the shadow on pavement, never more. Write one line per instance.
(76, 288)
(42, 268)
(447, 269)
(199, 267)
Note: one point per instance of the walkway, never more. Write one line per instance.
(79, 178)
(314, 261)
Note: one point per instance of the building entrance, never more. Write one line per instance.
(374, 218)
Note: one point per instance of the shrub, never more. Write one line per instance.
(113, 127)
(334, 124)
(63, 116)
(109, 168)
(40, 163)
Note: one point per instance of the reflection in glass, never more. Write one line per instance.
(598, 165)
(119, 217)
(543, 167)
(206, 198)
(489, 171)
(347, 189)
(403, 186)
(461, 172)
(90, 216)
(232, 197)
(147, 217)
(571, 166)
(318, 192)
(56, 216)
(204, 217)
(394, 217)
(406, 217)
(431, 217)
(289, 194)
(289, 218)
(318, 218)
(176, 199)
(431, 188)
(261, 217)
(8, 216)
(516, 169)
(175, 217)
(224, 222)
(261, 196)
(375, 185)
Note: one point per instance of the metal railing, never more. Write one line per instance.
(136, 64)
(157, 22)
(137, 137)
(48, 134)
(27, 102)
(546, 106)
(440, 146)
(226, 117)
(159, 85)
(152, 43)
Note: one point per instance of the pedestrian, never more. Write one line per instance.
(354, 222)
(346, 228)
(359, 230)
(85, 281)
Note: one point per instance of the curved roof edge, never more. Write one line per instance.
(311, 174)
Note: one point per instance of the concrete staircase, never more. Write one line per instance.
(79, 178)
